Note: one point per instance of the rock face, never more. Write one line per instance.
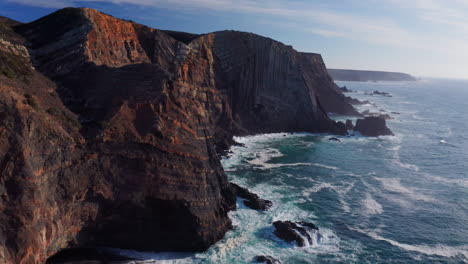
(367, 76)
(349, 124)
(330, 95)
(295, 232)
(372, 126)
(251, 199)
(267, 260)
(380, 93)
(110, 131)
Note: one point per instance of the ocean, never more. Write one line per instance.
(391, 199)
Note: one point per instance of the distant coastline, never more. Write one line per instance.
(369, 76)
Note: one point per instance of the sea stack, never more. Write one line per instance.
(372, 126)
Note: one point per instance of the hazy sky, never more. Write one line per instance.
(420, 37)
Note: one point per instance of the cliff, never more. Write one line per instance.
(110, 131)
(367, 76)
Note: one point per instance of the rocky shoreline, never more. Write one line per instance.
(112, 132)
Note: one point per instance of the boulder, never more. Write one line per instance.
(294, 232)
(267, 260)
(349, 125)
(380, 93)
(372, 126)
(345, 89)
(251, 199)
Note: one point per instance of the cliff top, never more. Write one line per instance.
(367, 75)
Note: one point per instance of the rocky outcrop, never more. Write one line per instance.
(349, 124)
(369, 76)
(251, 199)
(300, 232)
(372, 126)
(345, 89)
(110, 131)
(267, 260)
(379, 93)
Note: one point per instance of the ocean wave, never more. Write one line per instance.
(317, 188)
(407, 165)
(439, 250)
(160, 258)
(262, 158)
(268, 137)
(371, 206)
(397, 159)
(394, 185)
(341, 192)
(460, 182)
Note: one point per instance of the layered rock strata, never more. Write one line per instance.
(110, 131)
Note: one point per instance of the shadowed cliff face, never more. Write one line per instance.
(113, 139)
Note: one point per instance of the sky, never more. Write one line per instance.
(426, 38)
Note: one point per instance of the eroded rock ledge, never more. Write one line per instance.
(113, 138)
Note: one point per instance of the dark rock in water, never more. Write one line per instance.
(385, 116)
(267, 260)
(252, 199)
(334, 139)
(290, 231)
(344, 89)
(287, 231)
(372, 126)
(309, 225)
(395, 113)
(349, 125)
(342, 128)
(380, 93)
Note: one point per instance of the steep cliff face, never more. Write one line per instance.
(112, 139)
(271, 86)
(331, 98)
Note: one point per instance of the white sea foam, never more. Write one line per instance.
(394, 185)
(371, 206)
(460, 182)
(317, 188)
(397, 159)
(407, 165)
(262, 138)
(262, 158)
(159, 258)
(439, 250)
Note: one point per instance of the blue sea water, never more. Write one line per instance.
(391, 199)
